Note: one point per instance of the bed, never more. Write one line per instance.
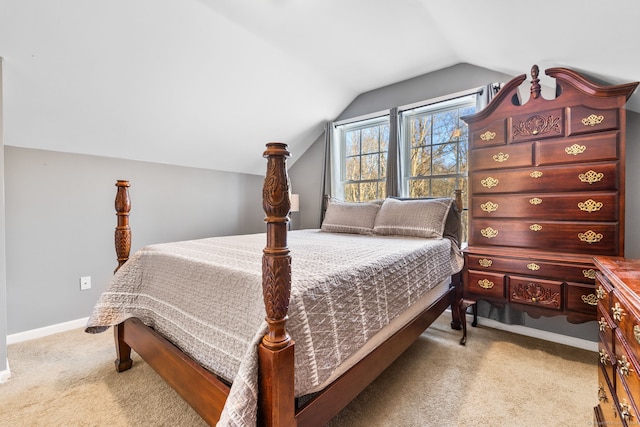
(350, 297)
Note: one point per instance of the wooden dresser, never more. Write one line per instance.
(546, 194)
(618, 289)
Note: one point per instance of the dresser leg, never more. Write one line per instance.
(474, 308)
(464, 305)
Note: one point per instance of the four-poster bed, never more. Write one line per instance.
(386, 296)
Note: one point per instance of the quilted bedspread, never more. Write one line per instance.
(205, 296)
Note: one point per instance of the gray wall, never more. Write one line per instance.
(60, 222)
(457, 78)
(306, 180)
(3, 277)
(304, 174)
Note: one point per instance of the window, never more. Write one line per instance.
(431, 141)
(363, 159)
(434, 147)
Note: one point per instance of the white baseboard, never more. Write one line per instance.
(6, 374)
(535, 333)
(46, 331)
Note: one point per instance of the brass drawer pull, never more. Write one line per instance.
(590, 299)
(489, 232)
(591, 176)
(590, 237)
(602, 394)
(602, 324)
(533, 266)
(636, 333)
(485, 262)
(501, 157)
(590, 206)
(604, 357)
(617, 312)
(624, 366)
(535, 227)
(486, 284)
(575, 149)
(589, 274)
(625, 411)
(600, 292)
(535, 201)
(592, 120)
(535, 174)
(489, 182)
(489, 207)
(487, 136)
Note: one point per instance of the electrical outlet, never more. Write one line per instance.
(85, 283)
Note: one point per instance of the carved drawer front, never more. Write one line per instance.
(585, 238)
(586, 206)
(583, 119)
(485, 284)
(509, 156)
(493, 134)
(606, 327)
(627, 410)
(606, 400)
(590, 148)
(581, 298)
(607, 362)
(604, 292)
(538, 292)
(627, 382)
(629, 326)
(541, 125)
(583, 273)
(590, 177)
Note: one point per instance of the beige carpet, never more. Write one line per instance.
(498, 379)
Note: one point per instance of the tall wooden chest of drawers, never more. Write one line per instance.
(618, 291)
(546, 194)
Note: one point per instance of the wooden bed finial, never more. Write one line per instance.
(276, 261)
(123, 232)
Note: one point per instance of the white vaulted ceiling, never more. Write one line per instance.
(206, 83)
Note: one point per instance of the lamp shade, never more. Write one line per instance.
(295, 203)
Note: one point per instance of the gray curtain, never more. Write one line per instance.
(487, 94)
(326, 169)
(394, 174)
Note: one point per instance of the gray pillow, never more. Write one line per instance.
(418, 218)
(349, 217)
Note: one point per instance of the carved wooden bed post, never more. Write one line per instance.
(123, 232)
(123, 248)
(276, 361)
